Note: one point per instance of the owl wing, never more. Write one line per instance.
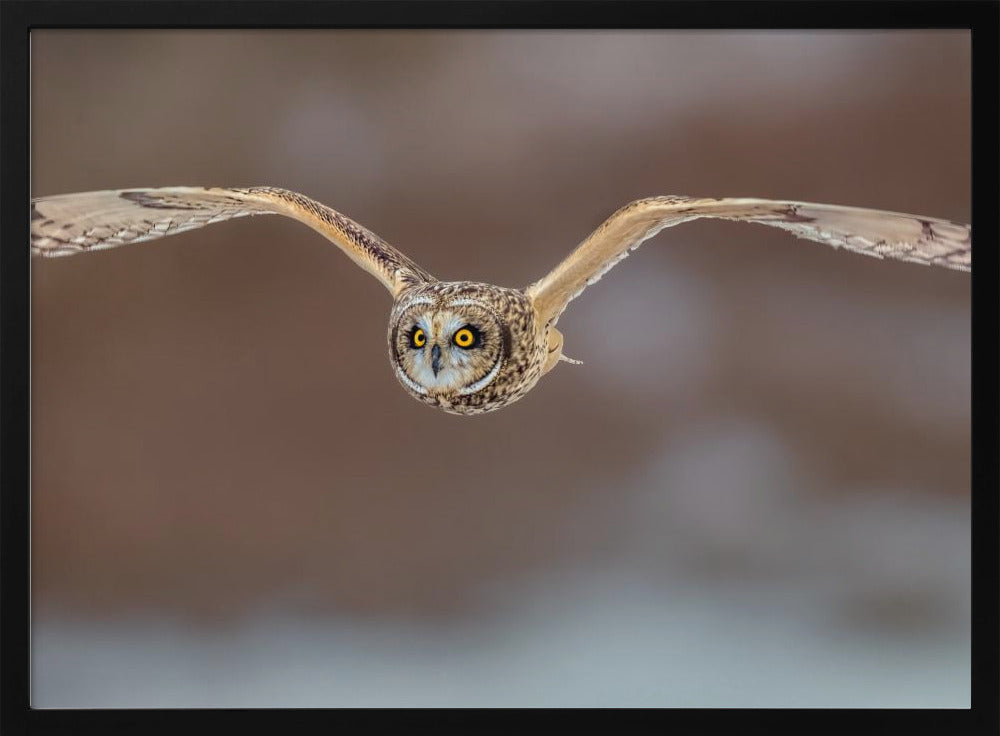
(75, 223)
(876, 233)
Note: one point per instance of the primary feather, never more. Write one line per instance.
(517, 340)
(876, 233)
(74, 223)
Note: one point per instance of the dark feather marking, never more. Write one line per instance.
(392, 342)
(377, 248)
(507, 339)
(792, 215)
(146, 200)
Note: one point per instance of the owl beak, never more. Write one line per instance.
(436, 359)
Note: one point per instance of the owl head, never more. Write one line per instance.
(460, 345)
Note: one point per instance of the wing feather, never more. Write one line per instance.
(75, 223)
(915, 238)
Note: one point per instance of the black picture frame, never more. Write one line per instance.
(19, 18)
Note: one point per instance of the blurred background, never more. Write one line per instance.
(754, 492)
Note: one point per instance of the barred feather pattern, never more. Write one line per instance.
(878, 233)
(76, 223)
(518, 342)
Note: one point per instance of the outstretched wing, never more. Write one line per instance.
(75, 223)
(873, 232)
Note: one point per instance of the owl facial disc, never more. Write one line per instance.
(447, 347)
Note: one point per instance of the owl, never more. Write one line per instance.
(466, 347)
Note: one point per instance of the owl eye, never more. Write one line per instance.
(466, 337)
(419, 338)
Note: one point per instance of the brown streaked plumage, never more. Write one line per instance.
(74, 223)
(877, 233)
(469, 347)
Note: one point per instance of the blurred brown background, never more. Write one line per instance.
(765, 432)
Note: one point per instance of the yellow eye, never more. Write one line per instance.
(464, 338)
(419, 339)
